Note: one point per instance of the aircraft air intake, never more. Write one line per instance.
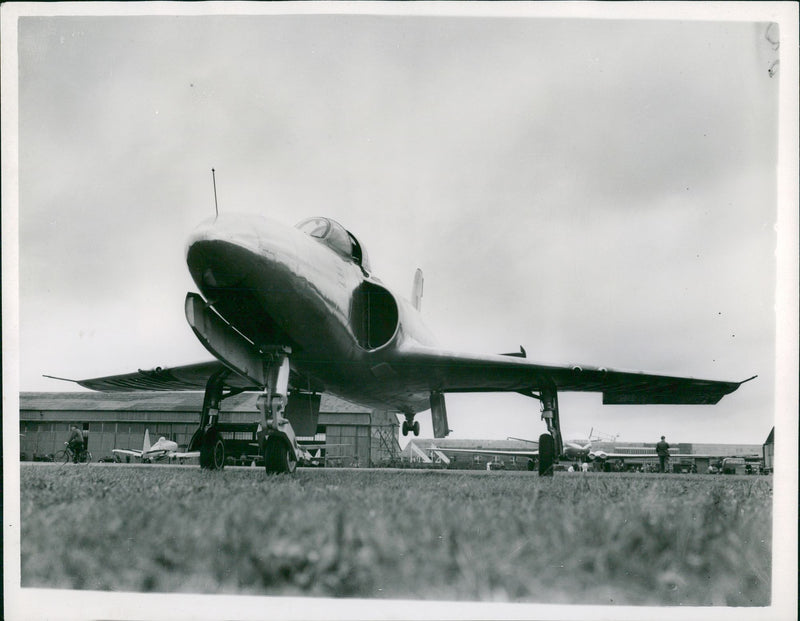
(373, 315)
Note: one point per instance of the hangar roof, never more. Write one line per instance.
(166, 401)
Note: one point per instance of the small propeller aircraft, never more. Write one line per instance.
(576, 449)
(292, 312)
(163, 449)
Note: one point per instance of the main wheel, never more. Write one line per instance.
(212, 451)
(278, 456)
(405, 427)
(547, 454)
(415, 427)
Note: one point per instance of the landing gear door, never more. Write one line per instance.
(439, 415)
(302, 411)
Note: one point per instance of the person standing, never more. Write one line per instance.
(662, 450)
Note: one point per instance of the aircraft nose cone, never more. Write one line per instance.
(232, 250)
(220, 252)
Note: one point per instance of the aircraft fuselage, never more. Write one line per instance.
(281, 286)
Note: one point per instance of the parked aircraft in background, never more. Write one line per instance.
(295, 311)
(163, 449)
(577, 450)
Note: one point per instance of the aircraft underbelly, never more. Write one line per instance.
(365, 379)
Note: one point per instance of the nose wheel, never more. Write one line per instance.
(278, 457)
(410, 425)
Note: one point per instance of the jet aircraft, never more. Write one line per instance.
(163, 449)
(291, 312)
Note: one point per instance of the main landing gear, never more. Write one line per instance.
(550, 444)
(207, 438)
(409, 424)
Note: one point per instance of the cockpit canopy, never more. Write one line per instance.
(337, 238)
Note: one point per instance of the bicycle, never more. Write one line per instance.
(67, 455)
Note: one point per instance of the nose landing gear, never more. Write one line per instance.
(278, 442)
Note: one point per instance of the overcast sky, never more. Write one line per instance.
(599, 191)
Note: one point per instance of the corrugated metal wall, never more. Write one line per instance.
(363, 442)
(348, 445)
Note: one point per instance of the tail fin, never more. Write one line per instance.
(416, 290)
(146, 445)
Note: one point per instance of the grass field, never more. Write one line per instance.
(501, 536)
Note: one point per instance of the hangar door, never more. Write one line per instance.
(347, 446)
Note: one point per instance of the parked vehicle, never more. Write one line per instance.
(734, 465)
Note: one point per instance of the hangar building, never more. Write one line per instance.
(352, 435)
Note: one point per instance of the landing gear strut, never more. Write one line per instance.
(409, 424)
(550, 444)
(278, 441)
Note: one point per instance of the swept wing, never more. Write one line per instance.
(185, 377)
(417, 371)
(429, 369)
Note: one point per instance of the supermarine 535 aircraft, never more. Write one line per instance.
(163, 449)
(291, 312)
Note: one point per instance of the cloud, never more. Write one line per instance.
(596, 190)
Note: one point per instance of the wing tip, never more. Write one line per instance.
(61, 379)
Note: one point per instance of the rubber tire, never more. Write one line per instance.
(278, 456)
(547, 455)
(405, 427)
(212, 451)
(415, 427)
